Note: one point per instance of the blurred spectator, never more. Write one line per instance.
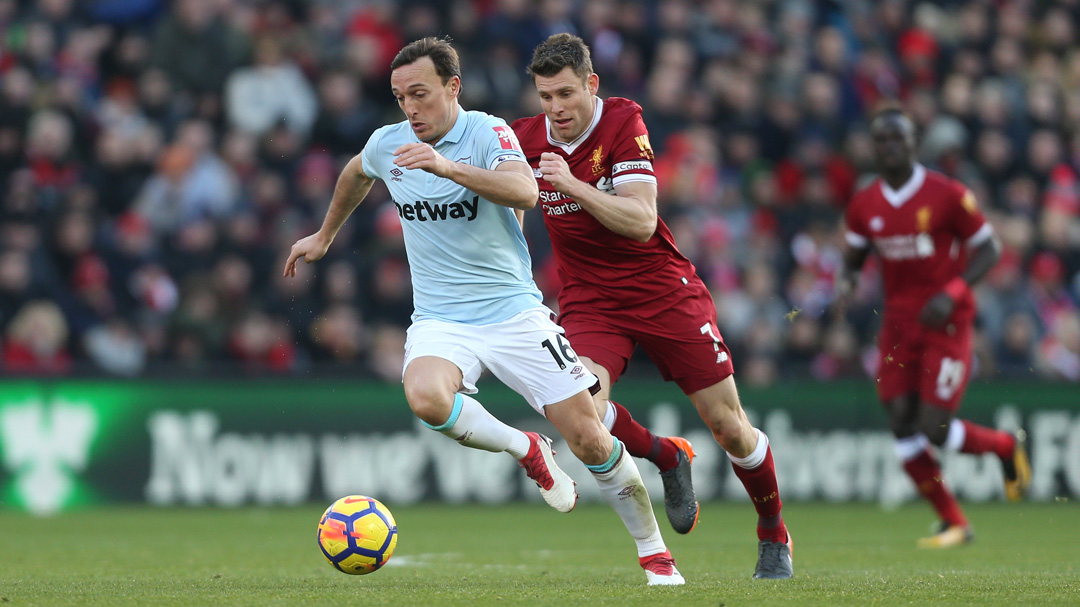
(345, 120)
(839, 356)
(387, 357)
(158, 158)
(1049, 294)
(196, 47)
(1016, 356)
(262, 344)
(35, 341)
(191, 182)
(116, 348)
(339, 334)
(1059, 352)
(270, 92)
(16, 283)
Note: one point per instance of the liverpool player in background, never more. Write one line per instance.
(625, 283)
(934, 244)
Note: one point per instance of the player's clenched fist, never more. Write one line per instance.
(555, 171)
(311, 248)
(421, 156)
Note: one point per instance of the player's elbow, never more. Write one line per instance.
(528, 203)
(527, 195)
(644, 232)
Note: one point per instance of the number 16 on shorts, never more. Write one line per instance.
(560, 350)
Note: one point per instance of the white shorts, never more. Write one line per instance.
(528, 353)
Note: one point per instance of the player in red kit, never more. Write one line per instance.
(624, 283)
(933, 243)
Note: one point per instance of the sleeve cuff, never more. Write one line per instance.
(501, 158)
(857, 241)
(621, 179)
(980, 236)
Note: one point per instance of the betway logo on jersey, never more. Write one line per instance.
(905, 246)
(422, 210)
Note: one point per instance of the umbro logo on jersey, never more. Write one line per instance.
(422, 210)
(396, 174)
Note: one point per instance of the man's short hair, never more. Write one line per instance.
(441, 52)
(889, 109)
(560, 51)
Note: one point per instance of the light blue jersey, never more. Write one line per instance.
(468, 257)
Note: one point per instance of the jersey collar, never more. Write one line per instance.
(898, 197)
(456, 131)
(569, 148)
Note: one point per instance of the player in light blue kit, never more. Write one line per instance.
(459, 180)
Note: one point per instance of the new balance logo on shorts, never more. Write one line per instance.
(721, 357)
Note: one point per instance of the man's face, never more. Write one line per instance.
(568, 102)
(893, 137)
(429, 104)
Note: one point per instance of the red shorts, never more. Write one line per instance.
(934, 364)
(678, 333)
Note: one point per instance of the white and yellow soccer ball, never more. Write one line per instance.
(357, 534)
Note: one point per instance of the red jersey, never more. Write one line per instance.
(597, 267)
(921, 232)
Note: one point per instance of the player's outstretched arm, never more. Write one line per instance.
(511, 184)
(631, 212)
(352, 186)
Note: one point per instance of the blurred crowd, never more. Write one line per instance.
(157, 160)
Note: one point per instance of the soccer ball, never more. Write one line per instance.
(357, 534)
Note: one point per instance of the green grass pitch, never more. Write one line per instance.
(476, 555)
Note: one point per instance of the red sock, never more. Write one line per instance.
(926, 472)
(980, 439)
(640, 442)
(760, 484)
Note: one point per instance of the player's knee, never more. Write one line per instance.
(728, 424)
(902, 417)
(591, 444)
(935, 430)
(901, 426)
(428, 401)
(934, 422)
